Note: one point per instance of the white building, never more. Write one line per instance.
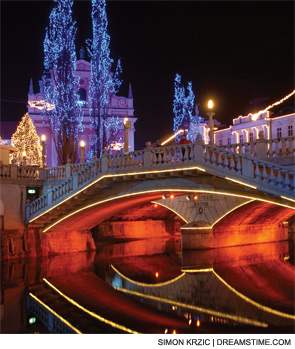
(247, 128)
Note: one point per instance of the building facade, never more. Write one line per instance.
(247, 128)
(119, 107)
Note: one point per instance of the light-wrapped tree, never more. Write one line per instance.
(26, 142)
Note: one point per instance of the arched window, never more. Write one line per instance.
(82, 96)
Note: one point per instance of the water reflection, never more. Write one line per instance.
(249, 288)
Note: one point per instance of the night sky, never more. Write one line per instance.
(233, 52)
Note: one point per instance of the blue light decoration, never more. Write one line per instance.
(183, 105)
(103, 83)
(61, 83)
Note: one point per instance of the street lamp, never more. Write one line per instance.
(82, 149)
(24, 157)
(43, 139)
(127, 127)
(211, 123)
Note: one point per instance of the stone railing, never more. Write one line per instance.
(264, 148)
(22, 172)
(89, 171)
(266, 176)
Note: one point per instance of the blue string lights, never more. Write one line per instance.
(61, 83)
(102, 84)
(183, 105)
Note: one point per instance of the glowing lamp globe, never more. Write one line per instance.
(210, 104)
(82, 144)
(43, 138)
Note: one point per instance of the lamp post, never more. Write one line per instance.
(43, 139)
(24, 158)
(127, 127)
(82, 149)
(211, 123)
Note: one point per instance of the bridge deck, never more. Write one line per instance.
(94, 294)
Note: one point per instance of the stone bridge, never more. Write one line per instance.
(235, 192)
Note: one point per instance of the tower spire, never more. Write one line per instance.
(130, 95)
(31, 88)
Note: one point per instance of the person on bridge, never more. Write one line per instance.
(184, 141)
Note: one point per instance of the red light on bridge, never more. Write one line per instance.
(157, 274)
(198, 323)
(196, 197)
(174, 332)
(171, 196)
(156, 205)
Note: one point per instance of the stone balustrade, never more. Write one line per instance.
(266, 176)
(264, 148)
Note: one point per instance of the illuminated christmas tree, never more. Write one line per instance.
(102, 82)
(61, 83)
(183, 105)
(28, 150)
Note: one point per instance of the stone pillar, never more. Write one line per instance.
(68, 170)
(261, 147)
(147, 155)
(199, 148)
(104, 162)
(197, 235)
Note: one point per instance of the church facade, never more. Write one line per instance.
(119, 107)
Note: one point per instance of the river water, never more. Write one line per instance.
(245, 289)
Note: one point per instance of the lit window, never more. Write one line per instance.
(251, 137)
(279, 132)
(82, 97)
(290, 130)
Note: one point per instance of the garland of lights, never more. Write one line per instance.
(61, 84)
(183, 105)
(25, 140)
(101, 84)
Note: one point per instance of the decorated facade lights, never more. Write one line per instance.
(211, 123)
(82, 150)
(41, 104)
(43, 139)
(255, 116)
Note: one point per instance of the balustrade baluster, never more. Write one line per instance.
(226, 162)
(270, 150)
(265, 176)
(219, 160)
(239, 166)
(279, 179)
(272, 177)
(257, 171)
(287, 181)
(232, 163)
(213, 158)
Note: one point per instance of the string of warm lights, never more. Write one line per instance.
(159, 284)
(89, 312)
(256, 115)
(25, 140)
